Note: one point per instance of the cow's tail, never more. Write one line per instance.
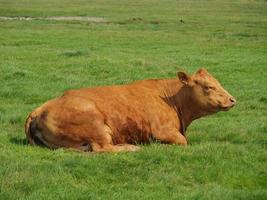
(33, 133)
(30, 121)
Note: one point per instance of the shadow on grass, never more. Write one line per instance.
(19, 141)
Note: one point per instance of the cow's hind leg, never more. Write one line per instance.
(106, 143)
(114, 148)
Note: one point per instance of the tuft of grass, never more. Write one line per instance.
(72, 53)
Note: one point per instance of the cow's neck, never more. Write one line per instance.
(180, 98)
(188, 106)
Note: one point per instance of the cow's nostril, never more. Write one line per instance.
(232, 99)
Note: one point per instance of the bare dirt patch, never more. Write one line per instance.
(60, 18)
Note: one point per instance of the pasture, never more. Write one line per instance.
(132, 40)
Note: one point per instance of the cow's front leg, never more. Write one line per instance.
(171, 136)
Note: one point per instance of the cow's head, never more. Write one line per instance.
(207, 92)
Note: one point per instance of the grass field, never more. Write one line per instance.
(39, 59)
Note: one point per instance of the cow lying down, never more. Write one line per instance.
(115, 118)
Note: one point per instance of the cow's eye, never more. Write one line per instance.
(209, 88)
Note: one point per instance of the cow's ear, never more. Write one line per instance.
(202, 71)
(184, 78)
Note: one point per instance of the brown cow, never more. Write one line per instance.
(114, 118)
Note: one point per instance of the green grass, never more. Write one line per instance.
(39, 59)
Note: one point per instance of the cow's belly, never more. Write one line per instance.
(128, 125)
(130, 131)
